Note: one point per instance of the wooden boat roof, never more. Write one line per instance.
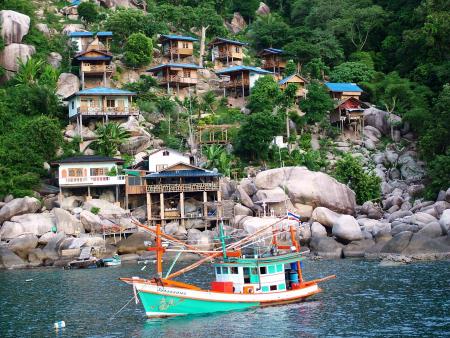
(253, 262)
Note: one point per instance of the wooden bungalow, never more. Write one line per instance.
(81, 40)
(272, 60)
(225, 52)
(237, 81)
(349, 111)
(176, 75)
(297, 80)
(100, 102)
(343, 90)
(176, 47)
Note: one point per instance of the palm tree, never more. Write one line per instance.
(29, 72)
(110, 137)
(213, 153)
(208, 102)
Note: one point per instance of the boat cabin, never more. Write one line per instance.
(94, 64)
(176, 76)
(81, 40)
(297, 80)
(92, 174)
(272, 60)
(100, 102)
(257, 274)
(225, 52)
(176, 47)
(343, 90)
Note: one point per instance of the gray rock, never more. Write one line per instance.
(398, 243)
(275, 195)
(67, 223)
(370, 144)
(410, 168)
(431, 230)
(239, 209)
(71, 202)
(43, 28)
(380, 119)
(304, 233)
(90, 221)
(318, 230)
(245, 198)
(444, 221)
(45, 238)
(399, 214)
(420, 244)
(371, 210)
(9, 260)
(393, 209)
(326, 247)
(106, 209)
(404, 227)
(54, 59)
(135, 144)
(347, 228)
(249, 186)
(134, 243)
(140, 213)
(67, 85)
(19, 206)
(422, 217)
(171, 228)
(23, 244)
(391, 157)
(36, 257)
(441, 196)
(415, 189)
(325, 216)
(447, 195)
(308, 187)
(392, 200)
(37, 224)
(263, 9)
(13, 26)
(357, 248)
(51, 249)
(202, 240)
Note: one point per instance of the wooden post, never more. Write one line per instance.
(161, 203)
(117, 192)
(243, 89)
(149, 207)
(89, 191)
(81, 126)
(219, 204)
(182, 207)
(205, 208)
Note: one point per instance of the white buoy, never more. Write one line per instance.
(59, 325)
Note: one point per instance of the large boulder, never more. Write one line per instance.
(318, 230)
(245, 198)
(67, 85)
(134, 243)
(51, 249)
(104, 208)
(9, 260)
(263, 9)
(272, 195)
(239, 209)
(410, 168)
(135, 144)
(380, 119)
(326, 247)
(324, 216)
(13, 26)
(254, 224)
(248, 186)
(347, 228)
(308, 187)
(202, 240)
(19, 206)
(23, 244)
(45, 238)
(91, 222)
(357, 248)
(54, 59)
(66, 222)
(444, 221)
(398, 243)
(73, 27)
(37, 224)
(12, 55)
(237, 23)
(431, 230)
(420, 244)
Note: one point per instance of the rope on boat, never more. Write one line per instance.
(123, 307)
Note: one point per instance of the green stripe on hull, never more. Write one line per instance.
(177, 305)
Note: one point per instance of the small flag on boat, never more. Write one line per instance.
(291, 215)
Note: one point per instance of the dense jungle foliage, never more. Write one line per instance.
(398, 51)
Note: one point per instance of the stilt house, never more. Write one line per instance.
(272, 60)
(297, 80)
(176, 76)
(225, 52)
(175, 48)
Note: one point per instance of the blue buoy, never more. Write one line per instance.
(59, 325)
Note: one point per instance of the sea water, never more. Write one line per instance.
(366, 299)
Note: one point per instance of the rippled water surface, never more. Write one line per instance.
(365, 300)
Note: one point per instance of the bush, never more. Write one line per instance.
(138, 50)
(88, 12)
(438, 175)
(365, 185)
(317, 103)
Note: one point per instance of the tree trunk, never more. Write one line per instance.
(202, 45)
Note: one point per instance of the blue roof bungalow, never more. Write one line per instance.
(176, 75)
(272, 60)
(237, 81)
(225, 52)
(83, 39)
(176, 47)
(100, 102)
(343, 90)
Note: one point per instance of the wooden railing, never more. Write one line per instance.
(274, 63)
(236, 83)
(92, 68)
(189, 187)
(181, 51)
(178, 79)
(108, 111)
(230, 54)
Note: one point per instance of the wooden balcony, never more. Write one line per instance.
(93, 68)
(230, 55)
(136, 189)
(178, 79)
(236, 83)
(92, 180)
(181, 51)
(190, 187)
(270, 64)
(111, 111)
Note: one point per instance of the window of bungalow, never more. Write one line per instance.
(238, 50)
(185, 45)
(166, 153)
(110, 103)
(73, 104)
(76, 172)
(186, 73)
(99, 171)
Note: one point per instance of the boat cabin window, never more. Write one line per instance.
(263, 270)
(282, 286)
(254, 271)
(234, 270)
(273, 288)
(225, 270)
(265, 289)
(271, 268)
(218, 270)
(246, 275)
(280, 268)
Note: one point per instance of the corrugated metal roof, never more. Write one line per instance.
(286, 79)
(273, 50)
(88, 159)
(94, 58)
(177, 37)
(106, 33)
(174, 65)
(241, 68)
(343, 87)
(78, 34)
(223, 40)
(183, 173)
(75, 2)
(101, 91)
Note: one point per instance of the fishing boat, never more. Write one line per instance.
(242, 281)
(111, 261)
